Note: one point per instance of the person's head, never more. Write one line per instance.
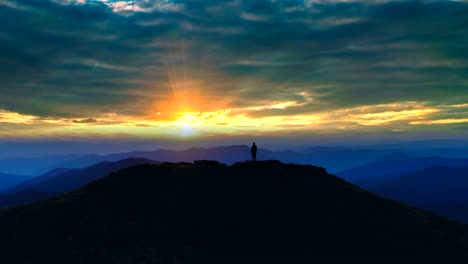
(254, 143)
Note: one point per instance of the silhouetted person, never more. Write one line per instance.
(253, 151)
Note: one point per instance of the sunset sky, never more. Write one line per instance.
(209, 68)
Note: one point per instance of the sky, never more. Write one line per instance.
(201, 69)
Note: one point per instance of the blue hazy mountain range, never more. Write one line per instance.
(62, 180)
(442, 190)
(8, 180)
(432, 183)
(33, 165)
(393, 165)
(332, 158)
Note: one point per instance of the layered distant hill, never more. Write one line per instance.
(37, 158)
(334, 158)
(8, 180)
(263, 212)
(393, 165)
(439, 189)
(340, 158)
(33, 166)
(433, 183)
(63, 180)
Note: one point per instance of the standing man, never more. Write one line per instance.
(253, 151)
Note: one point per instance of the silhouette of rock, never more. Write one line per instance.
(208, 163)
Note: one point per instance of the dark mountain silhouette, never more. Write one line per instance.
(251, 212)
(24, 197)
(7, 180)
(63, 180)
(441, 190)
(393, 165)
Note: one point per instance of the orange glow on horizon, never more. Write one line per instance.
(229, 121)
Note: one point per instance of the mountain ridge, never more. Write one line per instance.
(208, 212)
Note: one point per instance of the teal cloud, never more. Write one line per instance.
(80, 60)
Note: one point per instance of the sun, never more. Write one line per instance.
(187, 130)
(188, 123)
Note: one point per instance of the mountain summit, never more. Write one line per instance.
(207, 212)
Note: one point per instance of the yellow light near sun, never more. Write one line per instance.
(191, 119)
(181, 106)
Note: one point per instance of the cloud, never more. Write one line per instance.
(84, 121)
(15, 118)
(75, 59)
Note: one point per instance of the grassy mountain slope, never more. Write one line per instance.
(264, 212)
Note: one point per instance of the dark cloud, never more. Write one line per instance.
(84, 121)
(85, 59)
